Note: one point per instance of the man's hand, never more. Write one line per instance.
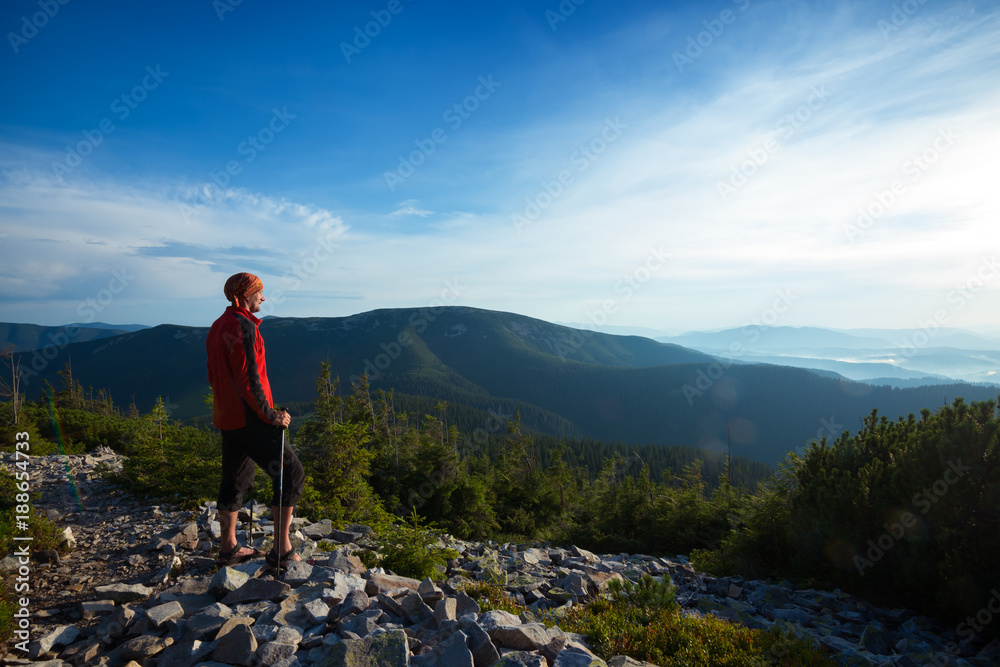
(283, 420)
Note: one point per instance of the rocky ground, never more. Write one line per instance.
(140, 587)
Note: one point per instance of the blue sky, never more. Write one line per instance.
(674, 166)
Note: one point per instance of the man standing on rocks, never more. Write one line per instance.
(251, 428)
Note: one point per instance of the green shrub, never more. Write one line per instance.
(647, 593)
(492, 597)
(412, 550)
(662, 635)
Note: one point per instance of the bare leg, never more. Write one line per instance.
(281, 538)
(227, 521)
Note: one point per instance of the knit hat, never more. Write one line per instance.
(242, 285)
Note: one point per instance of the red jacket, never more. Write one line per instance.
(237, 370)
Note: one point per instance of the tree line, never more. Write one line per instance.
(915, 500)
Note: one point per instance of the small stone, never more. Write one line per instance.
(360, 625)
(445, 610)
(317, 610)
(389, 604)
(298, 572)
(383, 583)
(340, 560)
(117, 623)
(63, 635)
(164, 613)
(162, 575)
(415, 609)
(184, 654)
(288, 635)
(385, 649)
(258, 589)
(227, 580)
(355, 603)
(430, 592)
(272, 653)
(528, 637)
(452, 652)
(237, 647)
(344, 536)
(230, 623)
(498, 618)
(320, 530)
(82, 652)
(123, 592)
(144, 647)
(466, 605)
(521, 659)
(91, 608)
(576, 657)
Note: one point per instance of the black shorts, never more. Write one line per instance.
(260, 443)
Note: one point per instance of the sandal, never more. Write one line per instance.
(234, 557)
(279, 562)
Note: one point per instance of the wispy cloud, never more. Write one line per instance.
(805, 149)
(409, 207)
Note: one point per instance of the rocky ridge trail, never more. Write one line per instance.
(141, 587)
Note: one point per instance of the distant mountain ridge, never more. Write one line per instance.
(33, 336)
(566, 382)
(897, 357)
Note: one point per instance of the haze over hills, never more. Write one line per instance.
(905, 357)
(567, 382)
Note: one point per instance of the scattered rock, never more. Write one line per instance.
(147, 646)
(334, 611)
(236, 647)
(124, 592)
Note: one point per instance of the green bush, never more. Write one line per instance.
(647, 593)
(660, 634)
(492, 597)
(413, 550)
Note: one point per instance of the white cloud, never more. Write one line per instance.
(409, 207)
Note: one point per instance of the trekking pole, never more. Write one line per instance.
(253, 483)
(281, 490)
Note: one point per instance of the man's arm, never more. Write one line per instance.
(246, 373)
